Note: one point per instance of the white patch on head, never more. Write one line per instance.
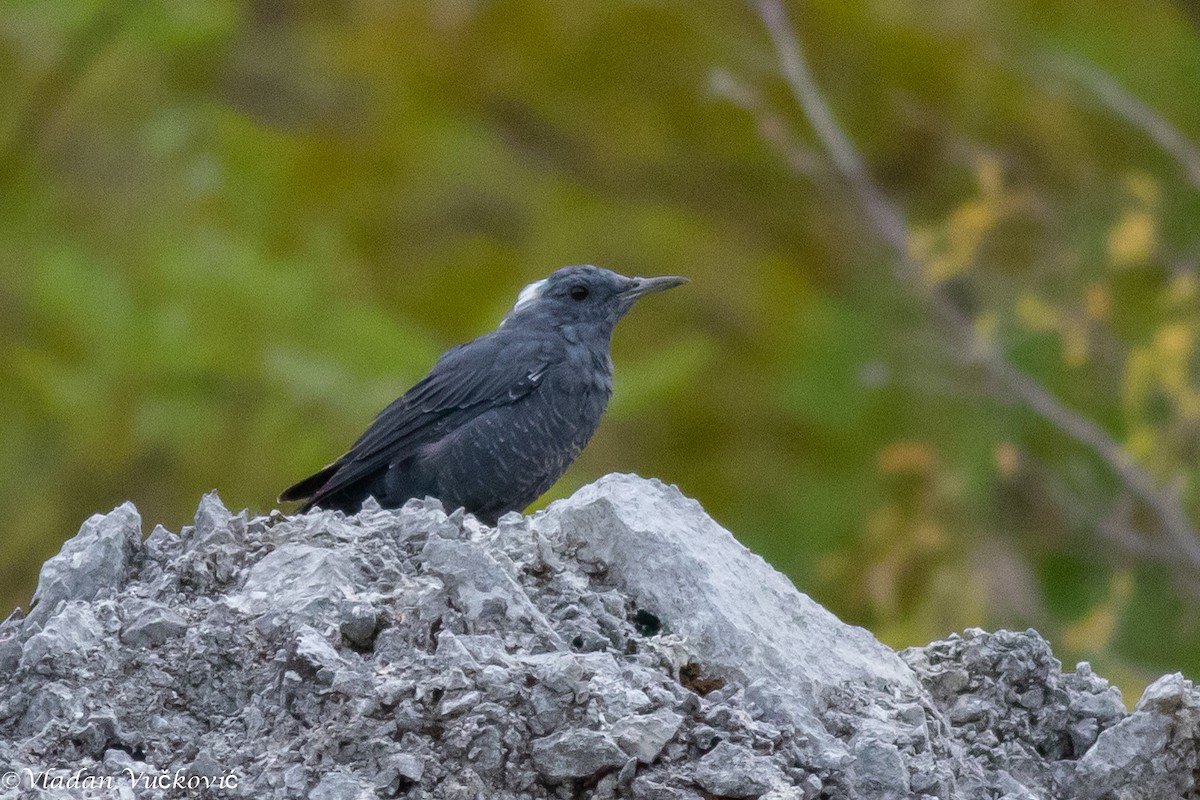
(527, 295)
(530, 293)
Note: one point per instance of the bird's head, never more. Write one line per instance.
(583, 298)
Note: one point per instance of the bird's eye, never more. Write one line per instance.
(579, 292)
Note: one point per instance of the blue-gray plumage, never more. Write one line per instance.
(499, 419)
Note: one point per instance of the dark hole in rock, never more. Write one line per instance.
(136, 752)
(647, 624)
(434, 628)
(402, 787)
(360, 643)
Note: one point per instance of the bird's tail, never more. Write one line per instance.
(309, 486)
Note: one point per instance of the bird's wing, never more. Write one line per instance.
(490, 371)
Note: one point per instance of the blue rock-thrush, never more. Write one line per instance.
(499, 419)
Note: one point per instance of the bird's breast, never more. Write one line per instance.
(583, 379)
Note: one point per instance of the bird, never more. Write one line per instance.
(497, 420)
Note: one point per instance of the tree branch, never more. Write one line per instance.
(1125, 105)
(889, 225)
(887, 220)
(772, 128)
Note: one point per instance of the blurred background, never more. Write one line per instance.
(231, 232)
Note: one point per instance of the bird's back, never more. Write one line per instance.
(495, 423)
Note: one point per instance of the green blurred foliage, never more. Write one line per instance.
(230, 233)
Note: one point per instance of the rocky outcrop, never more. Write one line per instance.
(618, 644)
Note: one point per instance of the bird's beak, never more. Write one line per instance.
(641, 286)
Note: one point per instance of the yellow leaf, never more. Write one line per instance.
(928, 536)
(907, 457)
(1143, 187)
(1075, 346)
(1131, 240)
(1174, 341)
(1141, 443)
(991, 174)
(938, 269)
(1097, 301)
(1173, 347)
(1095, 631)
(1036, 314)
(1008, 459)
(1182, 290)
